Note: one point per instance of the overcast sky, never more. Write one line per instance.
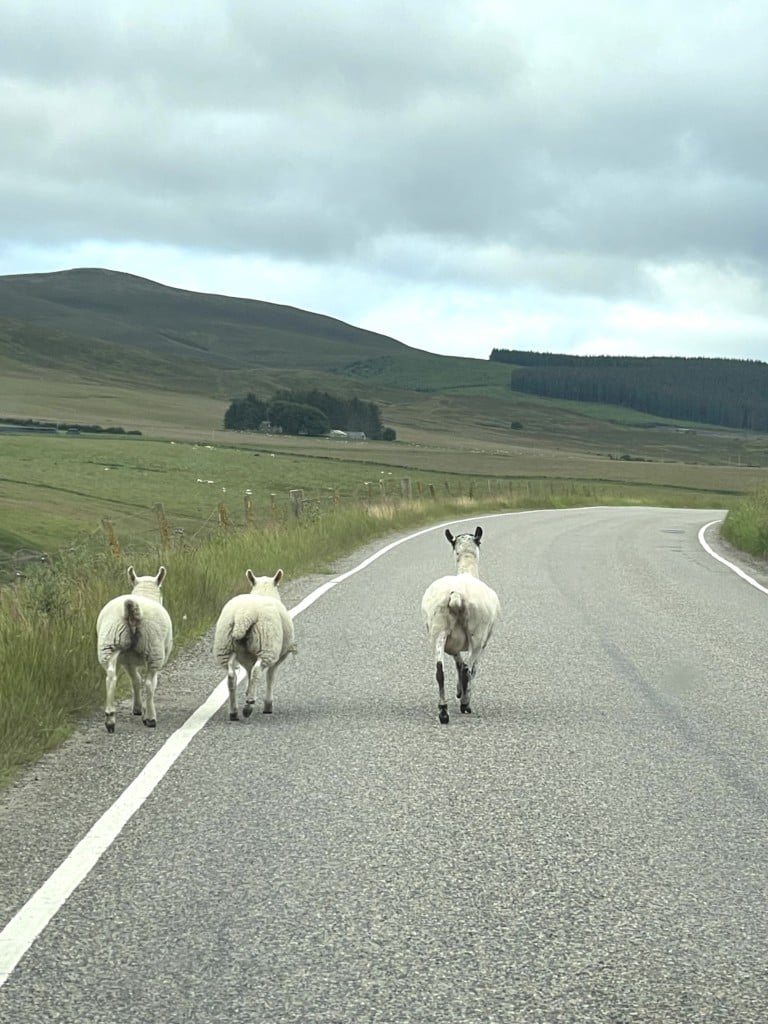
(585, 177)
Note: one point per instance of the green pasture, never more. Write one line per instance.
(57, 491)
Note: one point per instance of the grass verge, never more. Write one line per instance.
(746, 525)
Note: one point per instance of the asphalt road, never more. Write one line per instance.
(591, 845)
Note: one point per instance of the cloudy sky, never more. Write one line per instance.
(585, 177)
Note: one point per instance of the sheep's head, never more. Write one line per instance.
(461, 541)
(148, 586)
(466, 548)
(266, 585)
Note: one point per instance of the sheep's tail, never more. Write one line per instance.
(132, 615)
(456, 602)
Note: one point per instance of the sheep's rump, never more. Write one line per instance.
(460, 607)
(135, 627)
(252, 626)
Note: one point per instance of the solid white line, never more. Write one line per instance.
(731, 566)
(24, 928)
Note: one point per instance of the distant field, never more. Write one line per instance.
(56, 490)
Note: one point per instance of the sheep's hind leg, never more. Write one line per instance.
(232, 687)
(109, 707)
(442, 703)
(149, 717)
(133, 672)
(250, 693)
(465, 674)
(268, 695)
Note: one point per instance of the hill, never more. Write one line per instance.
(104, 347)
(100, 322)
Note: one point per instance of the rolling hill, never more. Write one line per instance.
(101, 346)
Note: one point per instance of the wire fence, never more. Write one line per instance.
(165, 529)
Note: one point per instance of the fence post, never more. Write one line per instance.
(248, 508)
(432, 491)
(406, 488)
(165, 533)
(297, 502)
(109, 530)
(223, 515)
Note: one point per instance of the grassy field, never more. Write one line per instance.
(56, 491)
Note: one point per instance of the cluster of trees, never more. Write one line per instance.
(307, 412)
(726, 392)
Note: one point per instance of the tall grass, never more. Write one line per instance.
(746, 525)
(49, 674)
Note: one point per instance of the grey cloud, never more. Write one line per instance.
(562, 146)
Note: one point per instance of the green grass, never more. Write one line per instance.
(57, 491)
(746, 525)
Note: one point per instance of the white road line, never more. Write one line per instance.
(24, 928)
(734, 568)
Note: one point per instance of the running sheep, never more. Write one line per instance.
(254, 631)
(460, 612)
(135, 631)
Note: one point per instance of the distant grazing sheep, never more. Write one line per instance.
(459, 613)
(255, 631)
(135, 631)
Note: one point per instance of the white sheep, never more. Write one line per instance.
(460, 612)
(135, 631)
(254, 631)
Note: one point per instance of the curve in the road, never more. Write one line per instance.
(24, 928)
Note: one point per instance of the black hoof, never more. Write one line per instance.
(443, 716)
(267, 709)
(149, 722)
(137, 711)
(233, 716)
(247, 709)
(110, 726)
(466, 709)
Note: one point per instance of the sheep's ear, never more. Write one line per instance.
(250, 575)
(450, 537)
(277, 577)
(478, 534)
(160, 575)
(132, 574)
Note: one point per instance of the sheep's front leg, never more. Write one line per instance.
(250, 692)
(232, 687)
(109, 707)
(149, 716)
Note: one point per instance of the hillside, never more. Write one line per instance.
(100, 322)
(103, 347)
